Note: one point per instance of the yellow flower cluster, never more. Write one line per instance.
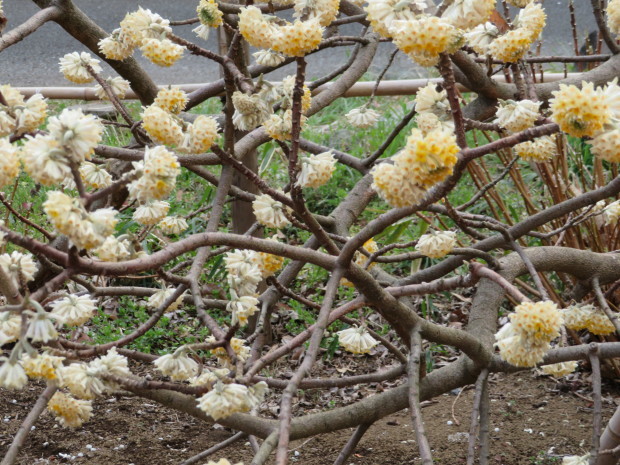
(172, 99)
(606, 145)
(356, 340)
(209, 14)
(480, 37)
(115, 47)
(361, 259)
(588, 317)
(21, 116)
(9, 163)
(280, 127)
(162, 52)
(428, 159)
(613, 16)
(525, 341)
(437, 244)
(580, 112)
(511, 46)
(161, 125)
(239, 348)
(70, 412)
(558, 370)
(316, 170)
(42, 366)
(200, 135)
(425, 37)
(517, 116)
(394, 187)
(159, 174)
(288, 85)
(87, 230)
(538, 150)
(296, 39)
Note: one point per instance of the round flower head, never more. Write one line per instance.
(280, 127)
(518, 350)
(425, 37)
(209, 14)
(242, 308)
(114, 47)
(162, 52)
(12, 96)
(95, 176)
(152, 212)
(111, 363)
(382, 14)
(537, 321)
(432, 99)
(480, 37)
(77, 133)
(159, 173)
(532, 18)
(9, 163)
(613, 16)
(113, 250)
(268, 58)
(606, 145)
(356, 340)
(73, 66)
(539, 150)
(173, 225)
(428, 122)
(428, 159)
(437, 244)
(82, 380)
(316, 170)
(31, 115)
(466, 14)
(578, 317)
(517, 116)
(299, 38)
(241, 351)
(200, 135)
(160, 125)
(361, 259)
(172, 99)
(512, 46)
(143, 24)
(70, 412)
(244, 272)
(394, 187)
(580, 112)
(7, 123)
(269, 264)
(42, 366)
(45, 160)
(41, 328)
(362, 117)
(20, 267)
(225, 399)
(250, 110)
(178, 366)
(10, 327)
(159, 298)
(12, 374)
(269, 212)
(73, 310)
(286, 90)
(612, 213)
(557, 370)
(118, 86)
(325, 10)
(257, 29)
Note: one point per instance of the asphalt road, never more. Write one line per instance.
(34, 61)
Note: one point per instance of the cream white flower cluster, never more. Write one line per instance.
(73, 310)
(210, 17)
(383, 14)
(425, 161)
(316, 170)
(161, 122)
(157, 175)
(436, 244)
(526, 339)
(10, 327)
(242, 352)
(72, 137)
(147, 31)
(178, 365)
(612, 213)
(117, 85)
(613, 16)
(557, 370)
(291, 39)
(87, 230)
(467, 14)
(588, 317)
(225, 399)
(541, 149)
(70, 412)
(19, 267)
(74, 66)
(117, 249)
(512, 46)
(433, 109)
(356, 340)
(270, 212)
(158, 299)
(517, 116)
(362, 117)
(20, 116)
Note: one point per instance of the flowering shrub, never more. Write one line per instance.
(511, 178)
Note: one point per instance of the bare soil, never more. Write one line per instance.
(534, 420)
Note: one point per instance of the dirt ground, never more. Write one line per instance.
(535, 420)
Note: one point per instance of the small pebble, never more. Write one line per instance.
(449, 423)
(496, 430)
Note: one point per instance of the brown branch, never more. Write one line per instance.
(212, 450)
(613, 316)
(413, 372)
(597, 408)
(352, 443)
(602, 27)
(49, 236)
(33, 23)
(481, 383)
(449, 84)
